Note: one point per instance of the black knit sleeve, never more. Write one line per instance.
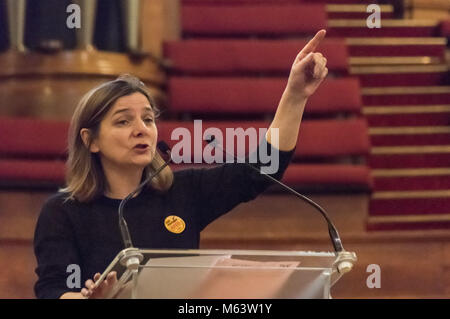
(218, 190)
(55, 250)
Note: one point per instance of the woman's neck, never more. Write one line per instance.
(121, 182)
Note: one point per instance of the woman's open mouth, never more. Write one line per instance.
(141, 148)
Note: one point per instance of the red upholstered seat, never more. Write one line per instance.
(317, 138)
(237, 56)
(237, 2)
(221, 20)
(272, 1)
(27, 170)
(333, 138)
(28, 137)
(354, 176)
(257, 95)
(27, 164)
(32, 152)
(316, 176)
(445, 28)
(320, 139)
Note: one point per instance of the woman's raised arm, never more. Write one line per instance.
(307, 72)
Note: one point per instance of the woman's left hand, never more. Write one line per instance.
(103, 290)
(308, 70)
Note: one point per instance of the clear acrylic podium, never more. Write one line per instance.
(226, 274)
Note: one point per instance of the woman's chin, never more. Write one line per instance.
(142, 162)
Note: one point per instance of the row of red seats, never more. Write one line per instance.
(33, 152)
(223, 67)
(237, 2)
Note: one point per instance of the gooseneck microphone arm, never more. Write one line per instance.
(122, 222)
(332, 231)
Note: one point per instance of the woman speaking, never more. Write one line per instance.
(112, 149)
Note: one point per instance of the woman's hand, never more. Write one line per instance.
(308, 70)
(103, 289)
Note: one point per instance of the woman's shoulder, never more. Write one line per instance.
(57, 202)
(58, 199)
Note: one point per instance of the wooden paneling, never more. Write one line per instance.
(48, 97)
(51, 85)
(413, 264)
(18, 214)
(161, 21)
(17, 264)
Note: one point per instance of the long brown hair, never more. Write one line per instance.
(85, 179)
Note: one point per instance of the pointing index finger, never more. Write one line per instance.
(313, 43)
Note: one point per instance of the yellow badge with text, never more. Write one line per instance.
(174, 224)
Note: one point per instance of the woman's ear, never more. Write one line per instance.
(85, 137)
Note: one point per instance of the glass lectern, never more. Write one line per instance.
(226, 274)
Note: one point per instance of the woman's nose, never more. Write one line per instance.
(140, 127)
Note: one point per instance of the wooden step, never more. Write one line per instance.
(413, 75)
(396, 150)
(409, 135)
(389, 28)
(427, 222)
(405, 95)
(411, 179)
(417, 202)
(356, 11)
(395, 161)
(397, 46)
(394, 60)
(406, 115)
(404, 109)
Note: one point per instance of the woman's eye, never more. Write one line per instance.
(122, 122)
(148, 120)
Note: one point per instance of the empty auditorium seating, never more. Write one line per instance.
(394, 75)
(232, 63)
(251, 56)
(397, 46)
(246, 20)
(403, 74)
(445, 28)
(243, 95)
(390, 28)
(317, 138)
(326, 156)
(32, 152)
(406, 95)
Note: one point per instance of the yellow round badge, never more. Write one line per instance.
(174, 224)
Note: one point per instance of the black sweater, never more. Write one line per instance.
(87, 234)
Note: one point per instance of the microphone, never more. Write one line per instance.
(124, 231)
(332, 231)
